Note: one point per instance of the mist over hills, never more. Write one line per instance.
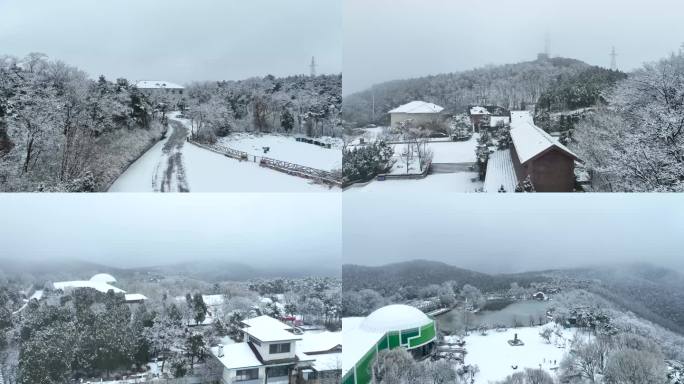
(206, 270)
(652, 292)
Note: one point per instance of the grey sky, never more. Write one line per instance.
(513, 232)
(134, 230)
(178, 40)
(394, 39)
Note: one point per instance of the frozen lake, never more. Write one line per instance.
(519, 312)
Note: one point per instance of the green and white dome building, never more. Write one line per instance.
(390, 327)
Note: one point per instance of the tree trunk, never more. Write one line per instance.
(29, 152)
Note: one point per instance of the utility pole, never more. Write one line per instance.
(613, 59)
(312, 66)
(547, 45)
(373, 105)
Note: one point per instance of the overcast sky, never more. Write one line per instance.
(178, 40)
(135, 230)
(513, 232)
(394, 39)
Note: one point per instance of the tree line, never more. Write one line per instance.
(302, 105)
(513, 86)
(62, 131)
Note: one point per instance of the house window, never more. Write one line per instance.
(279, 348)
(246, 374)
(279, 371)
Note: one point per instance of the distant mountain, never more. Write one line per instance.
(56, 270)
(389, 278)
(206, 270)
(651, 292)
(513, 86)
(221, 270)
(654, 293)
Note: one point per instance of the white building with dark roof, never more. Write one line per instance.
(418, 111)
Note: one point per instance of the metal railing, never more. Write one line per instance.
(277, 165)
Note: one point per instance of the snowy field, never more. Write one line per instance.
(173, 164)
(439, 182)
(368, 134)
(496, 358)
(454, 151)
(211, 172)
(286, 148)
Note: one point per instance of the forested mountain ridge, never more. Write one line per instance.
(421, 273)
(512, 85)
(653, 293)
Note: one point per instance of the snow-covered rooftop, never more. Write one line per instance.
(395, 317)
(319, 341)
(479, 111)
(157, 84)
(357, 341)
(101, 282)
(103, 278)
(531, 141)
(361, 334)
(266, 328)
(418, 107)
(311, 346)
(99, 286)
(237, 356)
(500, 172)
(135, 297)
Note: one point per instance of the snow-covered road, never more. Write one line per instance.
(174, 165)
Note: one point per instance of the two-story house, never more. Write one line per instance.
(274, 352)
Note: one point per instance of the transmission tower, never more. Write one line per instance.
(547, 45)
(312, 66)
(613, 60)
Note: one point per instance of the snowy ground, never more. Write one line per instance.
(368, 134)
(286, 148)
(445, 153)
(496, 358)
(439, 182)
(174, 165)
(454, 151)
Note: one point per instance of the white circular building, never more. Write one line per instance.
(395, 317)
(105, 278)
(390, 327)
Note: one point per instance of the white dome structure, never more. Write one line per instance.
(387, 328)
(394, 317)
(103, 278)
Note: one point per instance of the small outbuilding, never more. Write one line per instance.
(420, 112)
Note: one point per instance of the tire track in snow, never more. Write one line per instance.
(169, 174)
